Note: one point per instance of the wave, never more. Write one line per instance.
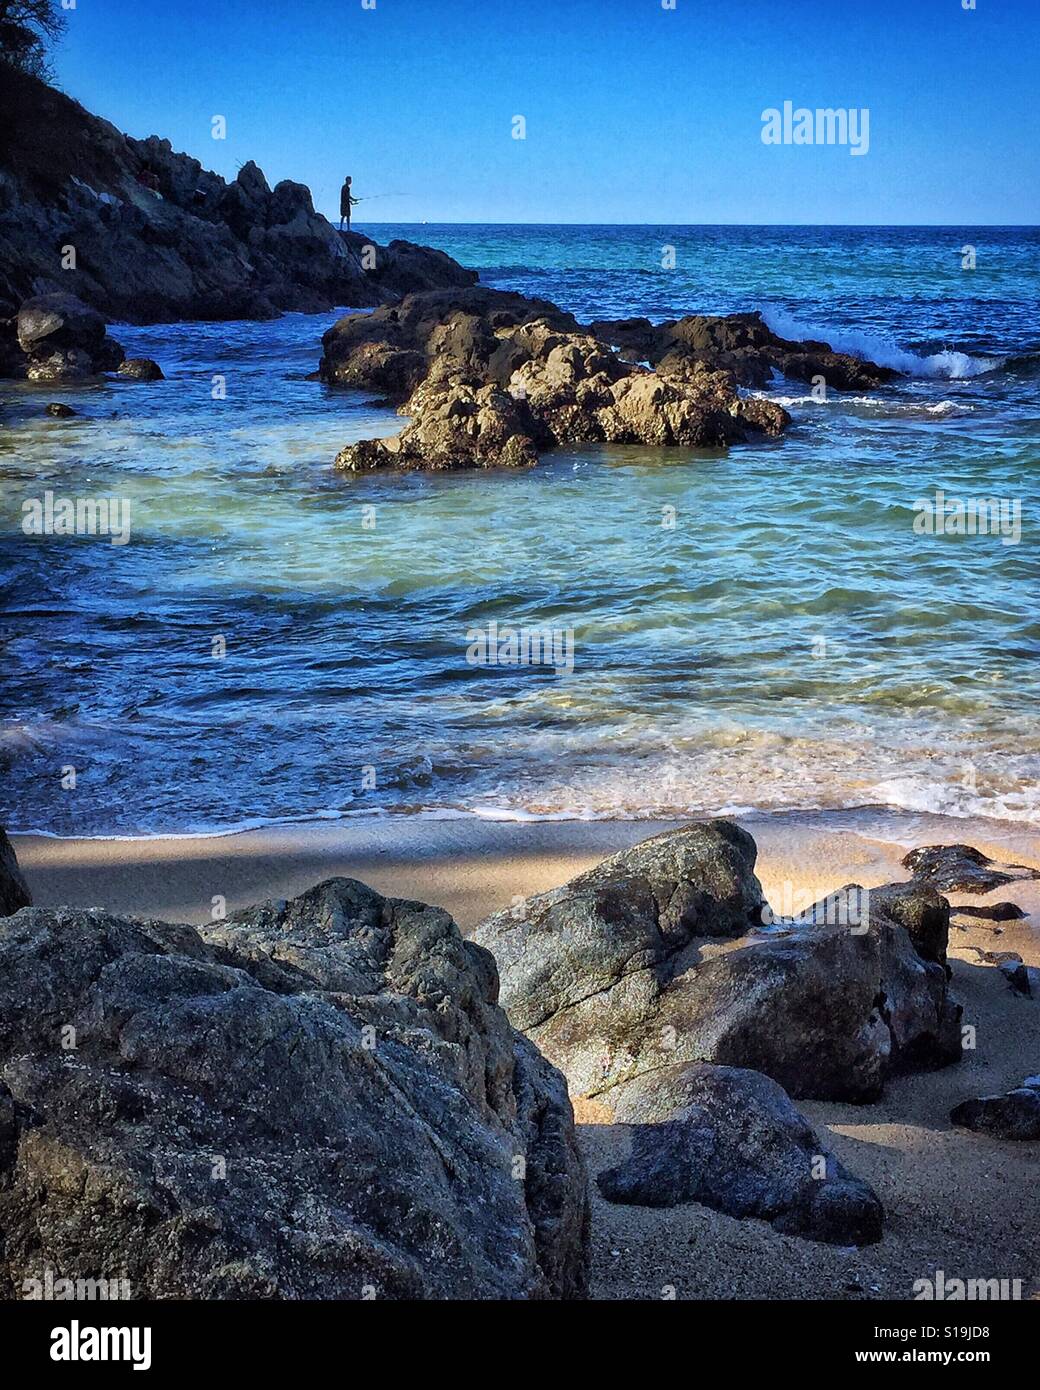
(923, 794)
(948, 364)
(881, 405)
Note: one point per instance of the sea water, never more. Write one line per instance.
(758, 628)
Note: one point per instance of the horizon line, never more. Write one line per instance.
(854, 226)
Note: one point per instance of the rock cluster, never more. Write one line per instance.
(312, 1099)
(662, 987)
(492, 379)
(615, 976)
(156, 237)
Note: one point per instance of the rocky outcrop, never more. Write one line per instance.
(144, 234)
(14, 891)
(732, 1140)
(312, 1099)
(614, 975)
(1014, 1115)
(740, 344)
(962, 869)
(492, 379)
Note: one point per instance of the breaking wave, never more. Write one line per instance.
(948, 364)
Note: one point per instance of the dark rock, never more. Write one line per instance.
(923, 912)
(962, 869)
(64, 340)
(731, 1139)
(629, 916)
(141, 369)
(990, 912)
(566, 385)
(58, 320)
(1015, 1115)
(1023, 979)
(458, 326)
(307, 1100)
(610, 976)
(741, 344)
(14, 891)
(996, 957)
(60, 411)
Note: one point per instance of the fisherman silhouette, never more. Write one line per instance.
(346, 202)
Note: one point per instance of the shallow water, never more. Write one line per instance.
(789, 641)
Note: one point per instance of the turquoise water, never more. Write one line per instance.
(789, 642)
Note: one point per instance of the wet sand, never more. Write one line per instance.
(955, 1201)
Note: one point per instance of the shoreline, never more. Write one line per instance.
(954, 1200)
(468, 864)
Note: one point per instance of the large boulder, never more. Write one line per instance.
(623, 923)
(614, 976)
(14, 891)
(732, 1140)
(64, 340)
(312, 1099)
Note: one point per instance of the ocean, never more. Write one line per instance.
(757, 629)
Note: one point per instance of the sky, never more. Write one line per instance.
(632, 112)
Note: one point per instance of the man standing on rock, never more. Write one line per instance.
(346, 202)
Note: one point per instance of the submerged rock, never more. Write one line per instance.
(312, 1099)
(60, 411)
(612, 976)
(1015, 1115)
(731, 1139)
(14, 891)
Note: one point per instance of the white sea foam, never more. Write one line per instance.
(884, 406)
(954, 366)
(954, 799)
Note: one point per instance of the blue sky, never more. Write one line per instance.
(634, 112)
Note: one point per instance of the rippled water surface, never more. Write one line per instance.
(789, 641)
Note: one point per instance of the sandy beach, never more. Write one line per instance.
(955, 1201)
